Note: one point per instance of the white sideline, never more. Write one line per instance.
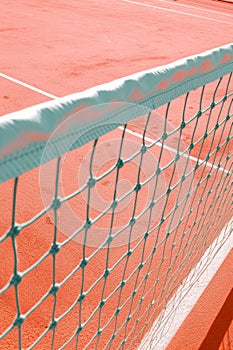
(173, 150)
(53, 97)
(33, 88)
(170, 320)
(177, 11)
(202, 9)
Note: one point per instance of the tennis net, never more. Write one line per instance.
(111, 198)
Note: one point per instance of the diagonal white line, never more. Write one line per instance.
(53, 97)
(180, 305)
(173, 150)
(196, 8)
(33, 88)
(176, 11)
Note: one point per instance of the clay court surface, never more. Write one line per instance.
(50, 49)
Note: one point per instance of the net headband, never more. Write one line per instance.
(24, 134)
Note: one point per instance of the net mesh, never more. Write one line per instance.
(93, 251)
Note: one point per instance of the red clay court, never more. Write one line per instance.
(51, 49)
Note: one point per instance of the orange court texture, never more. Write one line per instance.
(64, 47)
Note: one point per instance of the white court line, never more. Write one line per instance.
(181, 304)
(53, 97)
(173, 150)
(19, 82)
(177, 11)
(196, 8)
